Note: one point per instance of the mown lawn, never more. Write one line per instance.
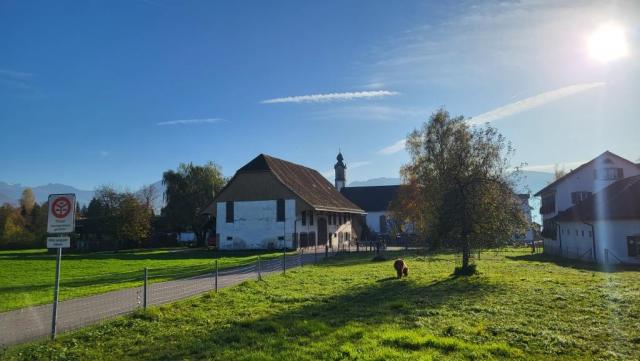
(520, 307)
(27, 277)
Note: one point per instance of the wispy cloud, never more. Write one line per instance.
(104, 153)
(373, 112)
(393, 148)
(549, 168)
(331, 97)
(532, 102)
(191, 121)
(16, 79)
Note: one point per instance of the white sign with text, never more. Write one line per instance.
(62, 213)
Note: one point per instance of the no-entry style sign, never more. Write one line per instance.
(62, 212)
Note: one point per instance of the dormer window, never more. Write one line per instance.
(608, 173)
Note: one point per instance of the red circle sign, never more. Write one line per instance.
(60, 207)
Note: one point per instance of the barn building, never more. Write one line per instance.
(273, 203)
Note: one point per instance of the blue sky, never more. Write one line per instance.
(117, 92)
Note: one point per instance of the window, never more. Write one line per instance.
(280, 210)
(329, 218)
(548, 203)
(304, 218)
(229, 238)
(577, 197)
(334, 218)
(608, 173)
(311, 218)
(582, 233)
(340, 218)
(632, 246)
(230, 212)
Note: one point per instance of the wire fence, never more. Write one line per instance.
(127, 292)
(138, 290)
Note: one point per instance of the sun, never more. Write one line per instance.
(607, 43)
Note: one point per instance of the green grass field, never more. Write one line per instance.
(349, 308)
(27, 277)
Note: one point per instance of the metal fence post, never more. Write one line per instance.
(216, 275)
(56, 289)
(259, 269)
(144, 292)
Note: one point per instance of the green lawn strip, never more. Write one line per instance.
(519, 307)
(27, 277)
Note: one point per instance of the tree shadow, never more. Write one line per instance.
(383, 303)
(574, 263)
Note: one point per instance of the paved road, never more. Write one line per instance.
(35, 322)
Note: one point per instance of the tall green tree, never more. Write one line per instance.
(189, 190)
(27, 201)
(465, 190)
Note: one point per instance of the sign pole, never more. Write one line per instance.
(56, 289)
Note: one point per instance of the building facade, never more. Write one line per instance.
(578, 185)
(272, 203)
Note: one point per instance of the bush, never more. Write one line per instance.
(379, 258)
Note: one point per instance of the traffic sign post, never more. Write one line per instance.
(60, 220)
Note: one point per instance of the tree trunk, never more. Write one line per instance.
(466, 254)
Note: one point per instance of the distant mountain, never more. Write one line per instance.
(533, 181)
(383, 181)
(11, 193)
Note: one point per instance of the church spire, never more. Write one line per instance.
(341, 171)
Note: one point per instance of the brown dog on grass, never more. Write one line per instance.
(401, 268)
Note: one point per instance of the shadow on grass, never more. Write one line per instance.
(575, 264)
(329, 322)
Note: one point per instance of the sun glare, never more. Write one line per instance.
(607, 43)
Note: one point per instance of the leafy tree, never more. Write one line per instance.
(27, 201)
(189, 190)
(118, 216)
(459, 175)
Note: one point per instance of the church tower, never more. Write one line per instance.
(341, 172)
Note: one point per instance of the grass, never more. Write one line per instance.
(518, 307)
(27, 277)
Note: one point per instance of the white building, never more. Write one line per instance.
(576, 186)
(375, 201)
(272, 203)
(604, 228)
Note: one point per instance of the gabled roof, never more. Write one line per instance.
(566, 176)
(372, 198)
(306, 183)
(620, 200)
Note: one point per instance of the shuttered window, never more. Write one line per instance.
(304, 219)
(311, 218)
(280, 210)
(230, 212)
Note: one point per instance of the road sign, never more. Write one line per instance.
(58, 242)
(62, 213)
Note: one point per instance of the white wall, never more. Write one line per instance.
(373, 221)
(255, 225)
(576, 239)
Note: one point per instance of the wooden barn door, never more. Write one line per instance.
(322, 231)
